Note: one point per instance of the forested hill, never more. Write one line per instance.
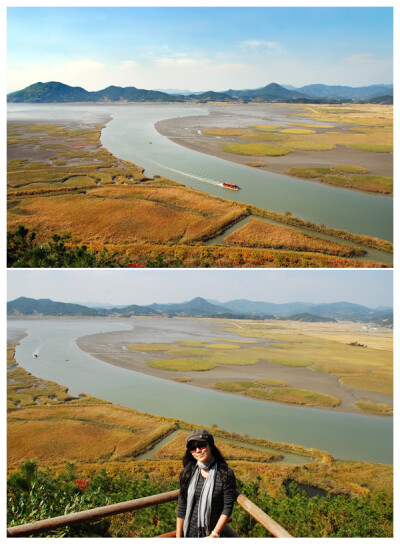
(57, 92)
(200, 307)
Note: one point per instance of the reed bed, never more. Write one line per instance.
(227, 131)
(258, 233)
(258, 149)
(353, 177)
(373, 408)
(175, 449)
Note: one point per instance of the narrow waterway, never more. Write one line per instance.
(345, 436)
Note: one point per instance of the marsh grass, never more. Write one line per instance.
(266, 127)
(350, 169)
(374, 408)
(181, 364)
(175, 449)
(221, 346)
(276, 390)
(258, 149)
(264, 136)
(372, 147)
(353, 177)
(259, 233)
(227, 131)
(307, 145)
(313, 125)
(361, 367)
(291, 362)
(294, 131)
(271, 382)
(294, 397)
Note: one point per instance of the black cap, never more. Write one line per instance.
(200, 435)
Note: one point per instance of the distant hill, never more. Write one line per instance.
(56, 92)
(271, 92)
(210, 96)
(200, 307)
(30, 306)
(321, 91)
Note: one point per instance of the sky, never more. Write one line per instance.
(199, 48)
(372, 288)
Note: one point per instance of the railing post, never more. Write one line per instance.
(269, 524)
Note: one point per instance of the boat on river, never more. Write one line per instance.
(230, 185)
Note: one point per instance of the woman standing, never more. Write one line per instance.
(207, 489)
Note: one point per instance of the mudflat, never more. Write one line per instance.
(188, 132)
(112, 348)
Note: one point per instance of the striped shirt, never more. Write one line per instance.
(223, 499)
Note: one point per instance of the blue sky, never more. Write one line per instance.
(199, 48)
(372, 288)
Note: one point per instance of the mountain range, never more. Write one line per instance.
(200, 307)
(57, 92)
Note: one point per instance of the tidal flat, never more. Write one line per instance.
(61, 360)
(62, 178)
(259, 359)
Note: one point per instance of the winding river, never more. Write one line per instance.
(345, 436)
(131, 135)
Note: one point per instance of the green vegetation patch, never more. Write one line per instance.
(350, 169)
(192, 343)
(317, 126)
(266, 127)
(227, 131)
(271, 382)
(256, 149)
(264, 136)
(235, 340)
(371, 147)
(222, 346)
(292, 362)
(346, 177)
(233, 386)
(309, 145)
(188, 352)
(181, 364)
(374, 408)
(238, 358)
(294, 396)
(294, 131)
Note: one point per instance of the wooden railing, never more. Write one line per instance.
(109, 510)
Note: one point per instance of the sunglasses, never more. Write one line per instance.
(201, 445)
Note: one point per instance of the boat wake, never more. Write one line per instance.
(184, 173)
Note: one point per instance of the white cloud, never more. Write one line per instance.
(359, 58)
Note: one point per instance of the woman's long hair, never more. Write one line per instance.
(189, 463)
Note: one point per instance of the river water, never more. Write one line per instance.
(129, 134)
(345, 436)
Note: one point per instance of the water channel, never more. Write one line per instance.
(345, 436)
(131, 135)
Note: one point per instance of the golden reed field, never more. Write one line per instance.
(62, 181)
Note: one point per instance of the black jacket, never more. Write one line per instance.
(223, 499)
